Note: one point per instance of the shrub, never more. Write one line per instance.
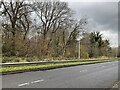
(6, 59)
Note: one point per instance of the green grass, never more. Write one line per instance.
(46, 66)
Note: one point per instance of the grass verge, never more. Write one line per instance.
(17, 69)
(116, 85)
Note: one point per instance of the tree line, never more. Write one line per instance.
(45, 30)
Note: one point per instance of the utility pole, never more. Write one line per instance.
(116, 52)
(78, 39)
(79, 49)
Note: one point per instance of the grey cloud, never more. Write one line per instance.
(103, 14)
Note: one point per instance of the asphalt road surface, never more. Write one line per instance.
(100, 75)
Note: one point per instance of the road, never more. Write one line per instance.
(100, 75)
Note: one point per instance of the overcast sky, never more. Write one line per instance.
(102, 16)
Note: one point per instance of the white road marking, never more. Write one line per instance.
(84, 71)
(103, 66)
(37, 81)
(23, 84)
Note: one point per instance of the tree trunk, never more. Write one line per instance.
(13, 45)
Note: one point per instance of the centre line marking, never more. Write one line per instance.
(23, 84)
(83, 70)
(37, 81)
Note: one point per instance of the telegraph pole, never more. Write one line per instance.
(79, 49)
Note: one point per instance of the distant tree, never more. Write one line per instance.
(118, 51)
(99, 47)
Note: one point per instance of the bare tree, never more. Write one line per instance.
(16, 12)
(52, 15)
(76, 27)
